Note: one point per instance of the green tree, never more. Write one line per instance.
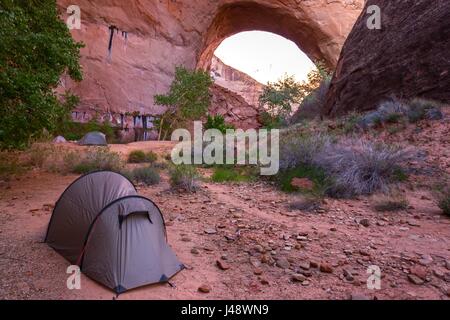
(187, 100)
(36, 48)
(279, 98)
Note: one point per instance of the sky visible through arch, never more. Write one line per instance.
(264, 56)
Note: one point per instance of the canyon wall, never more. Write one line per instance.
(409, 57)
(150, 38)
(236, 81)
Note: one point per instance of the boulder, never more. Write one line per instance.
(407, 57)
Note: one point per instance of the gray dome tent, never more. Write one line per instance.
(93, 139)
(117, 237)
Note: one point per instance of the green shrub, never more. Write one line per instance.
(312, 173)
(218, 122)
(270, 121)
(139, 156)
(184, 177)
(230, 174)
(148, 176)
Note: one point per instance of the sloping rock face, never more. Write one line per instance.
(149, 38)
(236, 81)
(234, 108)
(409, 57)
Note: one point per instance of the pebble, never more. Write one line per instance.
(222, 265)
(210, 231)
(365, 223)
(186, 239)
(419, 271)
(305, 265)
(325, 268)
(415, 279)
(204, 289)
(283, 263)
(258, 271)
(195, 251)
(447, 264)
(298, 277)
(426, 260)
(348, 275)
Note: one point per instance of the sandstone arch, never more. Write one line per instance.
(166, 33)
(297, 26)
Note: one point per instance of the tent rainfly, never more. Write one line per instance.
(117, 237)
(93, 139)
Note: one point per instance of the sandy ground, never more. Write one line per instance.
(250, 229)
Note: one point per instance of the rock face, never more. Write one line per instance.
(236, 81)
(234, 108)
(409, 57)
(149, 38)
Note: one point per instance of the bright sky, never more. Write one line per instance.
(264, 56)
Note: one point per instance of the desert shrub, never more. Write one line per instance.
(349, 123)
(139, 156)
(96, 159)
(147, 175)
(218, 122)
(184, 177)
(361, 167)
(420, 109)
(442, 194)
(444, 204)
(38, 154)
(48, 157)
(301, 149)
(391, 111)
(391, 203)
(10, 165)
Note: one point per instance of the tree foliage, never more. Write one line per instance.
(188, 99)
(36, 48)
(278, 99)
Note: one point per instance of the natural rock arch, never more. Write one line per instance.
(166, 33)
(240, 16)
